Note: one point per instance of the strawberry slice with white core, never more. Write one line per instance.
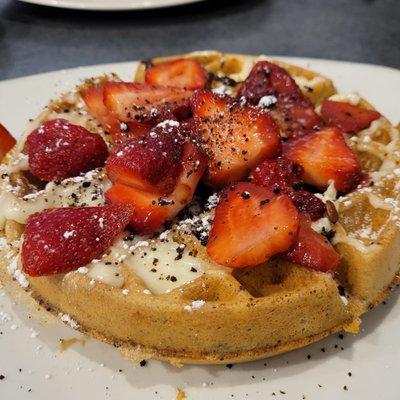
(150, 209)
(7, 141)
(182, 73)
(60, 240)
(312, 250)
(236, 138)
(141, 103)
(325, 156)
(251, 225)
(347, 117)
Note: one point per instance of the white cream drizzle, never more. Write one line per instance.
(350, 98)
(18, 209)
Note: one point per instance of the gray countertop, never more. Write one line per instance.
(36, 39)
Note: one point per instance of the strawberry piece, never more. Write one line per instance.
(283, 175)
(348, 118)
(120, 132)
(130, 130)
(93, 98)
(151, 210)
(60, 240)
(325, 156)
(7, 141)
(151, 163)
(293, 111)
(59, 150)
(145, 104)
(312, 250)
(182, 73)
(251, 224)
(236, 138)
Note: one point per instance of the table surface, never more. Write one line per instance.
(36, 39)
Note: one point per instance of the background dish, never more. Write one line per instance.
(372, 356)
(110, 5)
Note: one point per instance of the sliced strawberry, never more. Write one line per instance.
(312, 250)
(60, 240)
(149, 216)
(251, 224)
(59, 150)
(141, 103)
(182, 73)
(151, 163)
(120, 132)
(283, 175)
(293, 112)
(7, 141)
(349, 118)
(325, 156)
(151, 210)
(235, 137)
(93, 98)
(130, 130)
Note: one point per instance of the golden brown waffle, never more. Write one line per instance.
(221, 317)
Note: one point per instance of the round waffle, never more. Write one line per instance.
(207, 314)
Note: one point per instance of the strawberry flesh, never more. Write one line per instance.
(312, 250)
(251, 225)
(347, 117)
(325, 156)
(150, 209)
(182, 73)
(60, 240)
(236, 138)
(293, 111)
(283, 175)
(145, 104)
(59, 150)
(7, 141)
(150, 163)
(93, 98)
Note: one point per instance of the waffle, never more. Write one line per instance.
(213, 315)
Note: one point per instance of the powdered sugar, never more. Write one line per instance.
(195, 305)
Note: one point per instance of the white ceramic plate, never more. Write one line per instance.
(110, 5)
(97, 371)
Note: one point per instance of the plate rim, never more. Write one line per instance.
(98, 5)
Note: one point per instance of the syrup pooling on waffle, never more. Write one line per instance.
(176, 261)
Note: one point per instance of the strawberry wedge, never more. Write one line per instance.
(251, 225)
(59, 150)
(281, 175)
(93, 98)
(141, 103)
(182, 73)
(7, 141)
(325, 156)
(157, 175)
(151, 163)
(347, 117)
(150, 209)
(236, 138)
(60, 240)
(312, 250)
(292, 110)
